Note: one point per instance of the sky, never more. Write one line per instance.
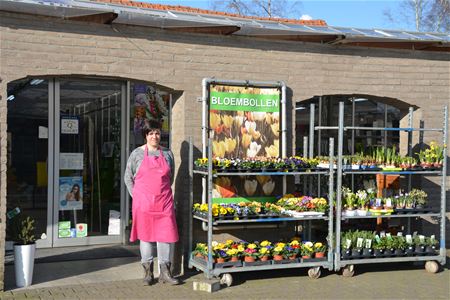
(355, 13)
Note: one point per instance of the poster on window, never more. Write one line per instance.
(69, 125)
(71, 193)
(150, 104)
(245, 123)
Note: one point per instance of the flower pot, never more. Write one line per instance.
(265, 258)
(419, 250)
(399, 252)
(378, 252)
(220, 260)
(367, 252)
(346, 254)
(235, 258)
(277, 257)
(292, 257)
(349, 213)
(361, 212)
(24, 264)
(319, 254)
(409, 251)
(199, 255)
(306, 256)
(356, 253)
(429, 250)
(388, 252)
(249, 259)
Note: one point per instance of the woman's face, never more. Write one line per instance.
(75, 189)
(154, 137)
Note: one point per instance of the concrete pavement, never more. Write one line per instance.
(119, 278)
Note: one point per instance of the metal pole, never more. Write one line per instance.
(283, 129)
(353, 139)
(410, 125)
(305, 154)
(191, 196)
(319, 148)
(210, 219)
(443, 191)
(330, 204)
(311, 148)
(339, 186)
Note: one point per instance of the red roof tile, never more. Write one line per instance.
(188, 9)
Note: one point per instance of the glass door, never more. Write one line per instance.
(87, 165)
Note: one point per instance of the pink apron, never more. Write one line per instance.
(153, 211)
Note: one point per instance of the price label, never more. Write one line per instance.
(409, 239)
(422, 238)
(399, 233)
(368, 244)
(388, 236)
(383, 234)
(432, 238)
(348, 243)
(359, 242)
(377, 238)
(414, 233)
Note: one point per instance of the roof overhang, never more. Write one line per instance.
(106, 13)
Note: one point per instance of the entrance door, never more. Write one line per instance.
(87, 165)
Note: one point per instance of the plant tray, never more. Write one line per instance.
(306, 260)
(296, 214)
(415, 210)
(392, 169)
(257, 263)
(285, 261)
(228, 264)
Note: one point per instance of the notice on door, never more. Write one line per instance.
(71, 193)
(69, 125)
(71, 161)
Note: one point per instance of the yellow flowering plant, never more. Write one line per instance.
(279, 249)
(307, 249)
(319, 247)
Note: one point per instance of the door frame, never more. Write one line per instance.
(53, 171)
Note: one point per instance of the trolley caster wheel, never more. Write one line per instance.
(314, 273)
(348, 271)
(431, 266)
(226, 279)
(197, 269)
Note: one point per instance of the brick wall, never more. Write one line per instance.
(34, 46)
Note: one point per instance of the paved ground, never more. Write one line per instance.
(119, 278)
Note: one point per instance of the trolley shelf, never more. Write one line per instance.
(267, 173)
(406, 215)
(407, 129)
(217, 271)
(263, 220)
(389, 259)
(349, 172)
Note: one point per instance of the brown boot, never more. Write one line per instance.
(165, 276)
(148, 273)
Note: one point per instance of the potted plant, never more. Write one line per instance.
(24, 250)
(362, 200)
(307, 250)
(419, 245)
(379, 246)
(319, 250)
(419, 197)
(200, 250)
(265, 250)
(399, 244)
(251, 253)
(431, 245)
(389, 250)
(349, 200)
(346, 244)
(409, 249)
(368, 241)
(279, 251)
(221, 255)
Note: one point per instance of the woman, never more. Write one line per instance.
(74, 194)
(148, 177)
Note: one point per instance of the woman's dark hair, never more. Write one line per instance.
(149, 126)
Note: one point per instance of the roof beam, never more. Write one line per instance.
(101, 18)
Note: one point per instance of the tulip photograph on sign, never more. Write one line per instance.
(245, 124)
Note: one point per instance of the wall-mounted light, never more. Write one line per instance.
(10, 98)
(300, 108)
(360, 99)
(36, 81)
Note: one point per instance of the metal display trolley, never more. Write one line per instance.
(223, 271)
(431, 265)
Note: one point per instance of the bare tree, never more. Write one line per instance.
(426, 15)
(260, 8)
